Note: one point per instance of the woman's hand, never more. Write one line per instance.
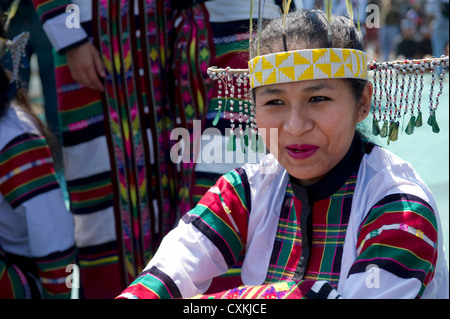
(86, 66)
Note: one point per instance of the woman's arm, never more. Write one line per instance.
(205, 244)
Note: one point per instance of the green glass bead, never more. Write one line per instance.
(384, 129)
(418, 120)
(410, 128)
(433, 123)
(243, 143)
(393, 131)
(261, 147)
(216, 119)
(375, 127)
(254, 142)
(246, 132)
(231, 146)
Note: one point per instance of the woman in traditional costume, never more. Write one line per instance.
(326, 213)
(36, 230)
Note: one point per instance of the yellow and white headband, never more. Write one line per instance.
(311, 64)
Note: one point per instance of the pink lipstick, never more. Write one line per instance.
(301, 151)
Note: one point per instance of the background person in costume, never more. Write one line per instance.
(406, 44)
(36, 230)
(330, 211)
(439, 10)
(143, 74)
(116, 101)
(390, 26)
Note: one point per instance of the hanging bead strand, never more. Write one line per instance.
(432, 117)
(411, 124)
(384, 128)
(418, 122)
(375, 125)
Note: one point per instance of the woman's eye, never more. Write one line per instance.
(316, 99)
(274, 102)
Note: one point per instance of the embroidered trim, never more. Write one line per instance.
(403, 227)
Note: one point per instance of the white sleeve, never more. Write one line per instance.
(49, 224)
(377, 283)
(60, 33)
(190, 259)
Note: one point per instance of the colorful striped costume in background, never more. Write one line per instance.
(363, 231)
(36, 229)
(125, 191)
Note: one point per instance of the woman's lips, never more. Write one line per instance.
(301, 151)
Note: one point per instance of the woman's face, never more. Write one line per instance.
(315, 122)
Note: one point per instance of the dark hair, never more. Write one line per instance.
(308, 29)
(4, 86)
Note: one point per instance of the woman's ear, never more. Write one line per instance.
(365, 102)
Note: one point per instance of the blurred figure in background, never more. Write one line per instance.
(36, 230)
(425, 46)
(406, 43)
(390, 17)
(438, 10)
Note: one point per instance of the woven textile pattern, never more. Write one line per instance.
(292, 66)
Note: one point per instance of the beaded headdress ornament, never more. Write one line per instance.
(16, 47)
(393, 82)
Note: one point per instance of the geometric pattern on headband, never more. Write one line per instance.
(310, 64)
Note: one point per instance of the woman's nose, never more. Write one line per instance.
(298, 122)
